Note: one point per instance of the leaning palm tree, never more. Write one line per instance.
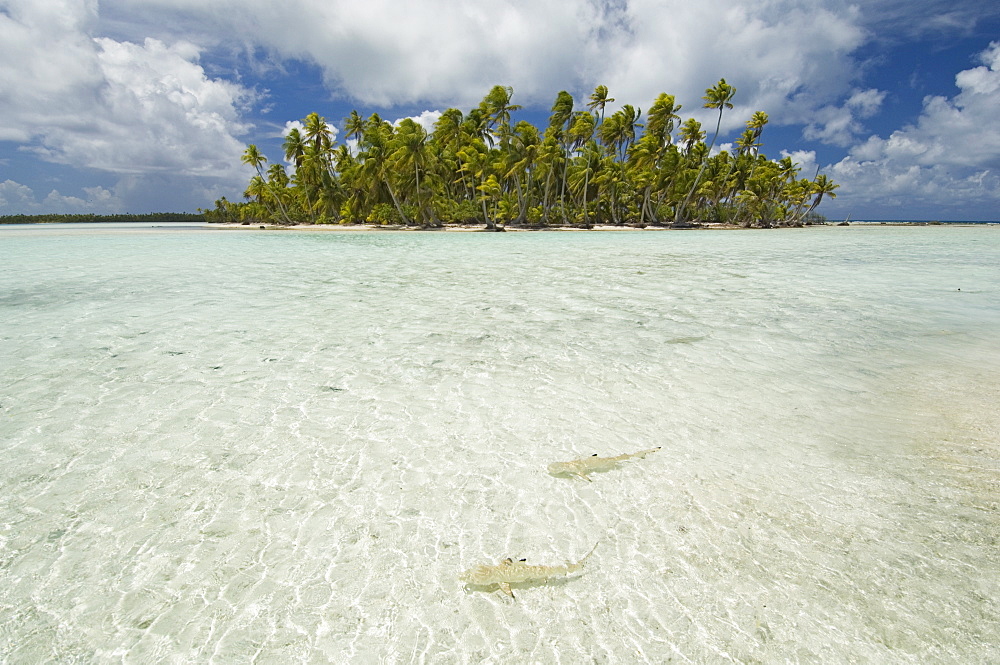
(409, 151)
(718, 97)
(822, 186)
(661, 118)
(690, 134)
(519, 164)
(583, 166)
(630, 123)
(253, 157)
(598, 100)
(354, 126)
(497, 109)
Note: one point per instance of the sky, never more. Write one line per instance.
(136, 106)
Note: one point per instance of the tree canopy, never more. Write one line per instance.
(485, 167)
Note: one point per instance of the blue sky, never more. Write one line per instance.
(146, 105)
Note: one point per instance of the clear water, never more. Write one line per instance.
(278, 447)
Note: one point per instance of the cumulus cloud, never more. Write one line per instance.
(425, 119)
(785, 58)
(805, 160)
(290, 125)
(133, 87)
(780, 54)
(950, 154)
(840, 125)
(119, 107)
(16, 198)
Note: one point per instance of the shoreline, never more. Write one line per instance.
(355, 228)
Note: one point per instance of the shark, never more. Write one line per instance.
(509, 572)
(581, 467)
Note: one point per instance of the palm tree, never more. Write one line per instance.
(586, 165)
(630, 123)
(497, 108)
(579, 136)
(691, 134)
(756, 125)
(661, 118)
(613, 184)
(376, 163)
(550, 158)
(475, 160)
(354, 126)
(522, 155)
(822, 186)
(318, 132)
(562, 110)
(583, 172)
(410, 152)
(296, 147)
(598, 100)
(253, 157)
(717, 97)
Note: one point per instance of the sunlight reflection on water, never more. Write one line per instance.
(228, 445)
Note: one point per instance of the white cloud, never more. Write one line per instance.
(425, 119)
(805, 160)
(785, 58)
(895, 19)
(840, 125)
(950, 157)
(16, 198)
(780, 54)
(866, 103)
(120, 107)
(290, 125)
(143, 105)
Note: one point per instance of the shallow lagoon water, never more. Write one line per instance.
(239, 446)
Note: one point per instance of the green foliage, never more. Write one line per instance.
(586, 167)
(384, 214)
(162, 217)
(462, 211)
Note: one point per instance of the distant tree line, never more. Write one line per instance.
(481, 167)
(79, 219)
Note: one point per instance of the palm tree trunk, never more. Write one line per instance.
(395, 202)
(679, 218)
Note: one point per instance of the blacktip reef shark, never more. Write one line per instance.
(581, 467)
(509, 572)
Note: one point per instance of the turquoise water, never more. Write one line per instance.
(231, 445)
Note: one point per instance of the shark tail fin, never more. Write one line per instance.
(587, 555)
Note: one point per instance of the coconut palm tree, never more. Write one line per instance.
(717, 97)
(377, 168)
(497, 108)
(661, 118)
(354, 126)
(691, 134)
(822, 186)
(253, 157)
(519, 164)
(598, 100)
(586, 165)
(409, 152)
